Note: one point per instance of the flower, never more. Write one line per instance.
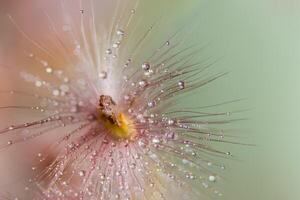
(112, 108)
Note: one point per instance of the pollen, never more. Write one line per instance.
(118, 125)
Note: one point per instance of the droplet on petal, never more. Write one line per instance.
(120, 32)
(146, 66)
(181, 84)
(103, 75)
(81, 173)
(212, 178)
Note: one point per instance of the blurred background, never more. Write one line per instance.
(258, 42)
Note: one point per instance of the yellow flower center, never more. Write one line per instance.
(118, 125)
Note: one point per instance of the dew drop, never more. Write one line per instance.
(102, 74)
(81, 173)
(126, 97)
(108, 51)
(171, 121)
(142, 83)
(120, 32)
(155, 140)
(146, 66)
(55, 92)
(116, 45)
(44, 63)
(170, 135)
(181, 85)
(49, 70)
(142, 143)
(132, 165)
(149, 72)
(151, 104)
(38, 83)
(66, 79)
(212, 178)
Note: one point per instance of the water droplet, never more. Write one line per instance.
(171, 121)
(142, 143)
(212, 178)
(151, 104)
(49, 70)
(55, 92)
(149, 72)
(170, 135)
(181, 85)
(38, 83)
(142, 83)
(126, 97)
(146, 66)
(155, 140)
(108, 51)
(120, 32)
(141, 118)
(132, 165)
(116, 45)
(102, 75)
(44, 63)
(81, 173)
(66, 79)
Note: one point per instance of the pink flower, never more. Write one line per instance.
(105, 107)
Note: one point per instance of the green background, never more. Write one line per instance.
(258, 42)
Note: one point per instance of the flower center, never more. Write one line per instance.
(118, 125)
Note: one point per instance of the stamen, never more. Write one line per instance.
(119, 125)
